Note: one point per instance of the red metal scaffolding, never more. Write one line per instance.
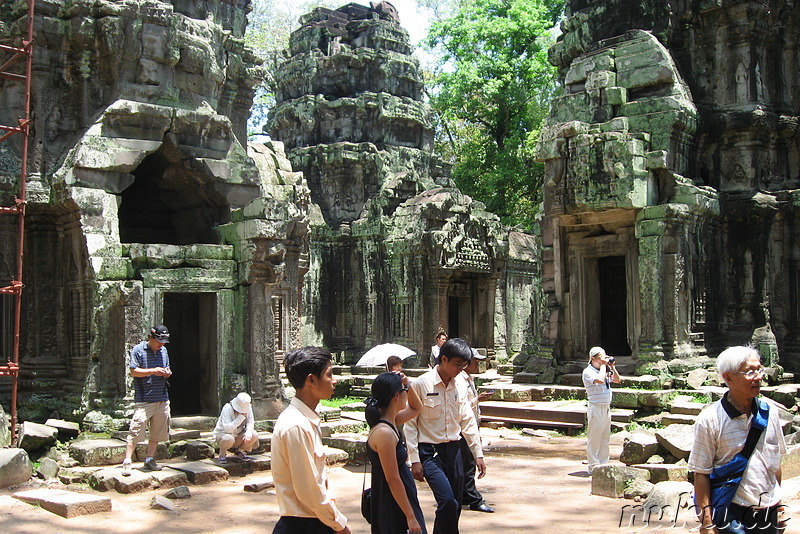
(14, 57)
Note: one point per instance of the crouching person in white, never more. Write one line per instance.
(235, 430)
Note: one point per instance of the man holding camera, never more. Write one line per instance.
(597, 378)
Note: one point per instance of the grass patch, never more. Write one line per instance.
(335, 402)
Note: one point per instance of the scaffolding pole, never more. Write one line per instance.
(14, 56)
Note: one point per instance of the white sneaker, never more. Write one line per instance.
(126, 468)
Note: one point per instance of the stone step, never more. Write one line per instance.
(65, 503)
(201, 472)
(112, 479)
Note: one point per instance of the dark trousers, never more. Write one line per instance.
(301, 525)
(471, 495)
(746, 520)
(444, 471)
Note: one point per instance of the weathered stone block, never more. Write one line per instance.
(201, 472)
(15, 467)
(665, 472)
(48, 468)
(35, 436)
(677, 440)
(98, 451)
(179, 492)
(65, 503)
(611, 480)
(67, 430)
(637, 448)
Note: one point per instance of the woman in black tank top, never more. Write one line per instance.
(395, 506)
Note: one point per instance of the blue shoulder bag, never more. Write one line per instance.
(725, 479)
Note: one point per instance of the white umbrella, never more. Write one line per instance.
(378, 354)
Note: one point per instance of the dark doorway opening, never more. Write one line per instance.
(192, 322)
(613, 305)
(459, 317)
(172, 200)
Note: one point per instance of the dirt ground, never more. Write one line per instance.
(533, 482)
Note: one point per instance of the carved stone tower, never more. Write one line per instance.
(397, 252)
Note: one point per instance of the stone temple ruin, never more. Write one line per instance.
(146, 204)
(672, 167)
(397, 252)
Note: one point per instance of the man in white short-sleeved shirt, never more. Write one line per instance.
(720, 433)
(597, 378)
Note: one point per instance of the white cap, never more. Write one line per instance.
(594, 351)
(241, 403)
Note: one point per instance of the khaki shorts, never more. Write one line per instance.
(158, 415)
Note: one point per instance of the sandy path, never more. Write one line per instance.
(531, 481)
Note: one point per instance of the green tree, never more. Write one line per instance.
(490, 94)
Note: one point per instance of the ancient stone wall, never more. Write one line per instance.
(146, 205)
(683, 115)
(397, 252)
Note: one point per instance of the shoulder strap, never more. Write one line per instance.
(757, 425)
(384, 421)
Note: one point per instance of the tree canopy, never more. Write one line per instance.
(490, 93)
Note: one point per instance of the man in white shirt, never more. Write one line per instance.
(305, 502)
(433, 437)
(597, 378)
(720, 433)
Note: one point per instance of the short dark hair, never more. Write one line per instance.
(391, 361)
(306, 361)
(455, 347)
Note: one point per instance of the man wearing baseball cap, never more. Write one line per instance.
(149, 367)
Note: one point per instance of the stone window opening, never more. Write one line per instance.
(172, 200)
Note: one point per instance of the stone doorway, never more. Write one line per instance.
(459, 317)
(192, 322)
(613, 293)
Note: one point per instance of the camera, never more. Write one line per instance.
(611, 360)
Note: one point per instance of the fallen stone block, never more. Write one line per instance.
(48, 468)
(161, 503)
(261, 462)
(637, 448)
(35, 436)
(665, 472)
(65, 503)
(169, 478)
(179, 492)
(67, 430)
(201, 472)
(76, 475)
(15, 467)
(198, 450)
(611, 480)
(677, 440)
(98, 451)
(261, 485)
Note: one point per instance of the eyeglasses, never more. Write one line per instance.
(752, 373)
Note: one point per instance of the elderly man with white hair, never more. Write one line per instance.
(742, 434)
(597, 378)
(235, 430)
